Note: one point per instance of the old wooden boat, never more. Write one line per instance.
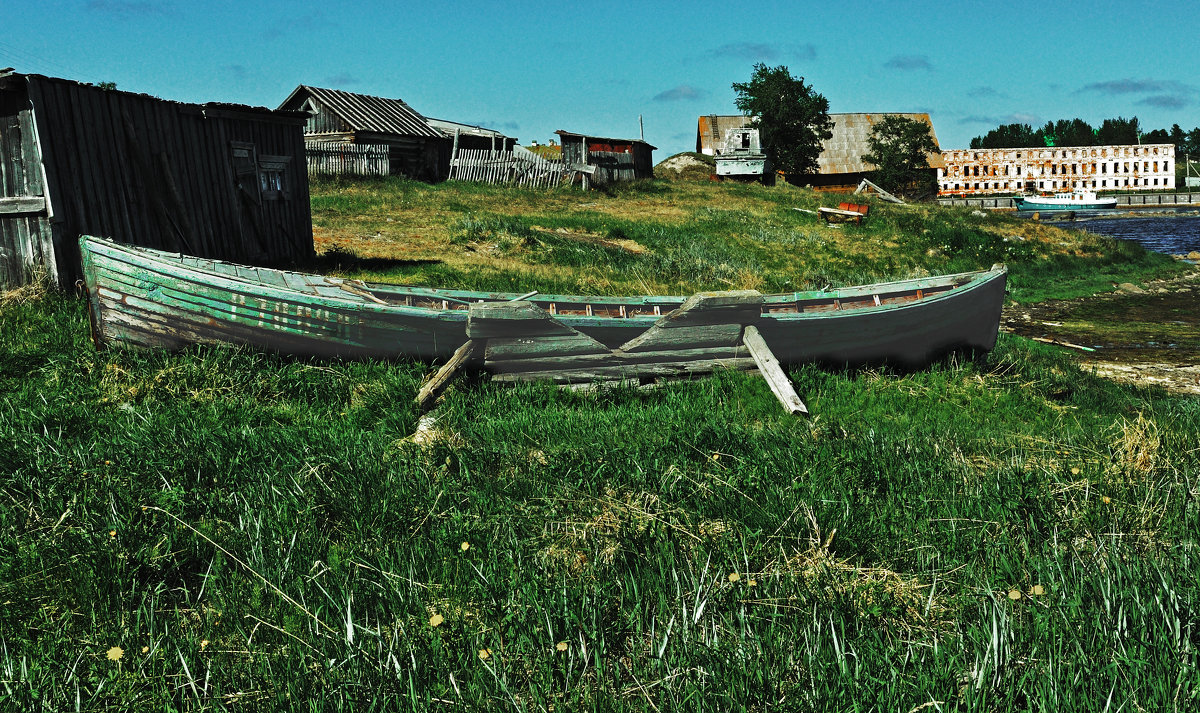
(1073, 200)
(150, 298)
(845, 213)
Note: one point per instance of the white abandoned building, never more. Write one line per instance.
(1054, 168)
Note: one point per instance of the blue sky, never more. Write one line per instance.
(529, 68)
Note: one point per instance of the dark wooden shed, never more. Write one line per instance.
(614, 159)
(414, 147)
(215, 180)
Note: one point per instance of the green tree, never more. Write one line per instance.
(1073, 132)
(791, 118)
(1158, 136)
(1117, 131)
(899, 149)
(1008, 136)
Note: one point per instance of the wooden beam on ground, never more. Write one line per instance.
(768, 365)
(438, 381)
(882, 193)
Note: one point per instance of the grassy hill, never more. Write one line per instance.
(226, 529)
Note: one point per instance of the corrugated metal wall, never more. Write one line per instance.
(162, 174)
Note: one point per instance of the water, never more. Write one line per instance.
(1173, 236)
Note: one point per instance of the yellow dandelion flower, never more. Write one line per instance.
(204, 644)
(752, 583)
(1014, 594)
(1038, 590)
(112, 533)
(561, 646)
(1074, 471)
(485, 654)
(436, 620)
(716, 456)
(107, 462)
(465, 546)
(734, 576)
(115, 653)
(1106, 499)
(145, 649)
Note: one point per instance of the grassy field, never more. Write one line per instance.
(224, 529)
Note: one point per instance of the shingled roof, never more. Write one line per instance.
(363, 112)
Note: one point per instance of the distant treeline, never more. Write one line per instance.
(1077, 132)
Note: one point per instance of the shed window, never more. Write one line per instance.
(271, 180)
(259, 176)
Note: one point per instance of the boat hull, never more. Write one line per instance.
(148, 298)
(1051, 204)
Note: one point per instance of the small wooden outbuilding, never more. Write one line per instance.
(467, 137)
(414, 147)
(215, 180)
(613, 159)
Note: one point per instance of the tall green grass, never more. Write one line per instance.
(255, 532)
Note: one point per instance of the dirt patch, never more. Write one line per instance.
(1146, 336)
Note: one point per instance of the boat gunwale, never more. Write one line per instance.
(169, 264)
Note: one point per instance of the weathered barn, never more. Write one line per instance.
(414, 147)
(215, 180)
(1148, 167)
(614, 159)
(841, 167)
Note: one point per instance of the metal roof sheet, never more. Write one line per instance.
(447, 128)
(605, 139)
(363, 112)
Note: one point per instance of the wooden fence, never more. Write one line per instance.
(519, 167)
(334, 158)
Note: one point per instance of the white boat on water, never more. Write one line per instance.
(1075, 200)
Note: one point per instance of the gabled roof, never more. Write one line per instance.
(841, 153)
(362, 112)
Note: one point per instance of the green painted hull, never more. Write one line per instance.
(149, 298)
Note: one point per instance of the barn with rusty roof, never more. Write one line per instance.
(841, 167)
(336, 116)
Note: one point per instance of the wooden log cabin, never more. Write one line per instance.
(214, 180)
(415, 149)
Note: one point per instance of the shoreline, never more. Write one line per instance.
(1135, 334)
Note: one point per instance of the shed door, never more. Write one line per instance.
(26, 243)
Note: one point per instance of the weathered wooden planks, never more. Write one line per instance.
(519, 167)
(769, 367)
(147, 172)
(435, 385)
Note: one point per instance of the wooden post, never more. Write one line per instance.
(453, 155)
(768, 365)
(438, 381)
